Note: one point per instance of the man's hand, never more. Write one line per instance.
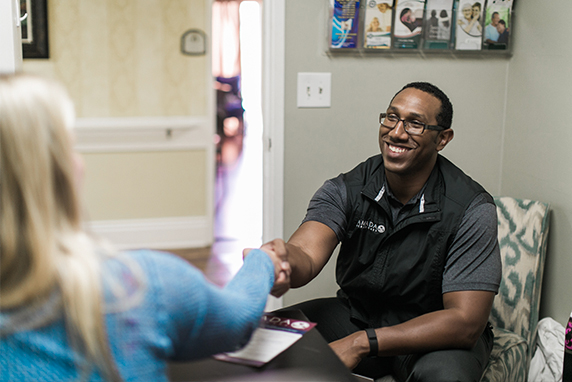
(351, 349)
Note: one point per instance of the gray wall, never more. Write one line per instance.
(537, 161)
(486, 92)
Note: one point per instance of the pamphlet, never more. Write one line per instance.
(272, 337)
(378, 21)
(497, 24)
(567, 369)
(469, 20)
(408, 23)
(438, 22)
(345, 24)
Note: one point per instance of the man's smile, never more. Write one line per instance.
(396, 149)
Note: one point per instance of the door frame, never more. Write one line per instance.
(273, 32)
(10, 37)
(273, 118)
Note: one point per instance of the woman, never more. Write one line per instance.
(374, 26)
(471, 24)
(476, 15)
(73, 309)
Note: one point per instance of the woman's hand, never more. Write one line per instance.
(282, 282)
(277, 252)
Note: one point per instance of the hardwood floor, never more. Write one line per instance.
(219, 263)
(199, 257)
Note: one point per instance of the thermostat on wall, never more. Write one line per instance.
(193, 42)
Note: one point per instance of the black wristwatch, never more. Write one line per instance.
(373, 346)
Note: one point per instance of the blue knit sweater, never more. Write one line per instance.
(179, 315)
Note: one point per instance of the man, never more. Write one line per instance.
(491, 32)
(419, 263)
(503, 32)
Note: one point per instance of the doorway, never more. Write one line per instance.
(237, 68)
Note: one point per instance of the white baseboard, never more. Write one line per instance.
(160, 233)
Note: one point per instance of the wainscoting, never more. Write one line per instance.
(109, 136)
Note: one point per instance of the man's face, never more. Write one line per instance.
(500, 28)
(411, 155)
(495, 19)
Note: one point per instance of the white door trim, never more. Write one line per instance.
(10, 37)
(273, 121)
(273, 118)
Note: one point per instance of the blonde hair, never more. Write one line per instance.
(42, 245)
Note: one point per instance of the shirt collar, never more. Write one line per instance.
(378, 189)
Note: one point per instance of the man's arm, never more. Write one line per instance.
(472, 275)
(458, 326)
(489, 35)
(307, 251)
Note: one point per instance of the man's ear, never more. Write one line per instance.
(444, 138)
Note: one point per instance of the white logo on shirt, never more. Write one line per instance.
(377, 228)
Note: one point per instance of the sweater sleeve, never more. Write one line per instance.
(201, 318)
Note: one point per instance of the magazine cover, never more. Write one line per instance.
(497, 24)
(438, 23)
(567, 369)
(469, 28)
(377, 24)
(345, 23)
(408, 23)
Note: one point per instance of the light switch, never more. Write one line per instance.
(314, 89)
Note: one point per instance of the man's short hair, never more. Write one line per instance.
(445, 115)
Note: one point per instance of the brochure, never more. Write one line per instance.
(378, 21)
(567, 369)
(469, 28)
(272, 337)
(438, 22)
(497, 24)
(408, 23)
(345, 23)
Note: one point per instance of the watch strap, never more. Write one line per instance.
(373, 345)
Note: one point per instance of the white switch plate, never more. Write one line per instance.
(314, 89)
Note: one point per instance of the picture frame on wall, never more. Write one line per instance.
(34, 26)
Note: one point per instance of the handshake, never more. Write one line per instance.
(278, 253)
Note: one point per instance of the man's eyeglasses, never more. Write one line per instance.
(411, 127)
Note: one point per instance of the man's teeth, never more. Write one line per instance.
(396, 149)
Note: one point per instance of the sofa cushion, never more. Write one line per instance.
(508, 359)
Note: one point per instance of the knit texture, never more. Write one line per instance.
(178, 315)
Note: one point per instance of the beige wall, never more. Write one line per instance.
(159, 176)
(527, 157)
(122, 59)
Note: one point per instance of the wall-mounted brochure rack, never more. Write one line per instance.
(427, 27)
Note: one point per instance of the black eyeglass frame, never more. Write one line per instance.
(406, 124)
